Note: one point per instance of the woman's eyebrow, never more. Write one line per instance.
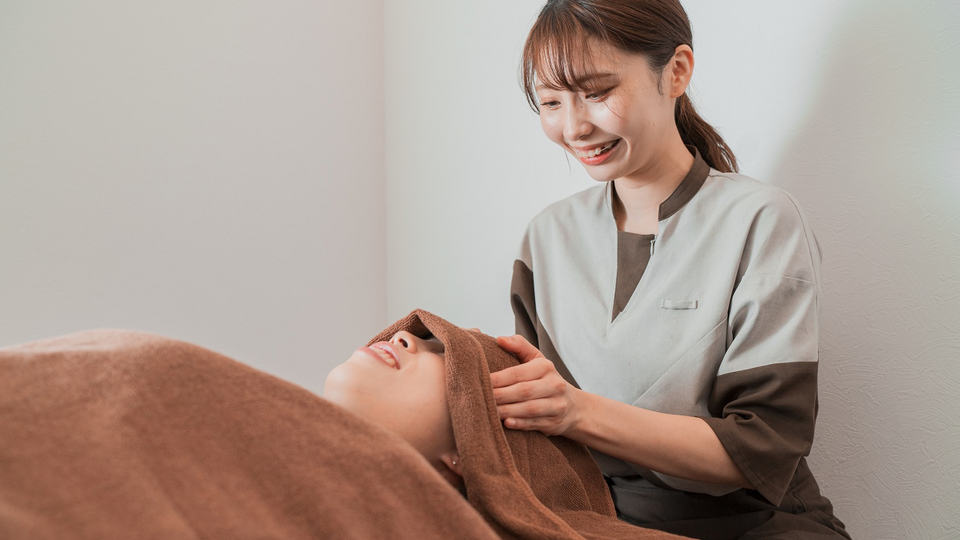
(595, 76)
(588, 78)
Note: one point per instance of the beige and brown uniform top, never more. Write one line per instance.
(716, 316)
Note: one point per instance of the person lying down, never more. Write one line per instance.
(113, 434)
(429, 381)
(110, 434)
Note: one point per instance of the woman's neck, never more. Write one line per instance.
(637, 197)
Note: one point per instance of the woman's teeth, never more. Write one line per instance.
(597, 151)
(387, 357)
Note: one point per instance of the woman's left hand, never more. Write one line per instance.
(533, 396)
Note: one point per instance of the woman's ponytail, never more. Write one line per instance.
(695, 131)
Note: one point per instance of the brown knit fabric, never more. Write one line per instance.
(526, 485)
(115, 435)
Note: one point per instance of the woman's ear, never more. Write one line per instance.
(450, 469)
(452, 461)
(678, 71)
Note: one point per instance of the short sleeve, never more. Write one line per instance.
(523, 300)
(763, 405)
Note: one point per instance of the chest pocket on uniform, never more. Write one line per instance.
(678, 304)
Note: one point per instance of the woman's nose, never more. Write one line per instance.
(576, 124)
(406, 340)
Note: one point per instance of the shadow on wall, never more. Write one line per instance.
(875, 166)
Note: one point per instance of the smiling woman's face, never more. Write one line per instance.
(400, 385)
(623, 125)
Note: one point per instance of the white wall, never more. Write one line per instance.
(215, 171)
(467, 164)
(852, 106)
(211, 171)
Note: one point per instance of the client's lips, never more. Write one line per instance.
(385, 352)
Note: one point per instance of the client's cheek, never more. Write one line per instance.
(366, 395)
(347, 387)
(334, 383)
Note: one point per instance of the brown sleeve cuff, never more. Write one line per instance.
(765, 418)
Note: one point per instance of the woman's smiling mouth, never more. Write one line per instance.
(385, 353)
(597, 154)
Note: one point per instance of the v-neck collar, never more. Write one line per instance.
(688, 187)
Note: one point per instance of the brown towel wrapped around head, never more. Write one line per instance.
(526, 485)
(115, 435)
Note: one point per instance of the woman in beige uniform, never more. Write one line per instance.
(668, 317)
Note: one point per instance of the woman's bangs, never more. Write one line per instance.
(558, 55)
(563, 63)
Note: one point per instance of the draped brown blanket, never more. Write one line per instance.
(119, 435)
(526, 485)
(115, 434)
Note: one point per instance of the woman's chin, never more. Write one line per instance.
(600, 177)
(337, 386)
(601, 173)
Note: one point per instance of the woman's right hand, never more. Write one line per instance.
(533, 396)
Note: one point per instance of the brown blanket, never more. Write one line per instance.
(111, 434)
(526, 485)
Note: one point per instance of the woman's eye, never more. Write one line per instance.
(550, 104)
(596, 96)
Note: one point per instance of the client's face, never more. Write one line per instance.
(400, 385)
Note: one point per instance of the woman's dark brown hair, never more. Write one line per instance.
(557, 52)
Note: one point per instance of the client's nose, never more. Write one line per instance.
(406, 340)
